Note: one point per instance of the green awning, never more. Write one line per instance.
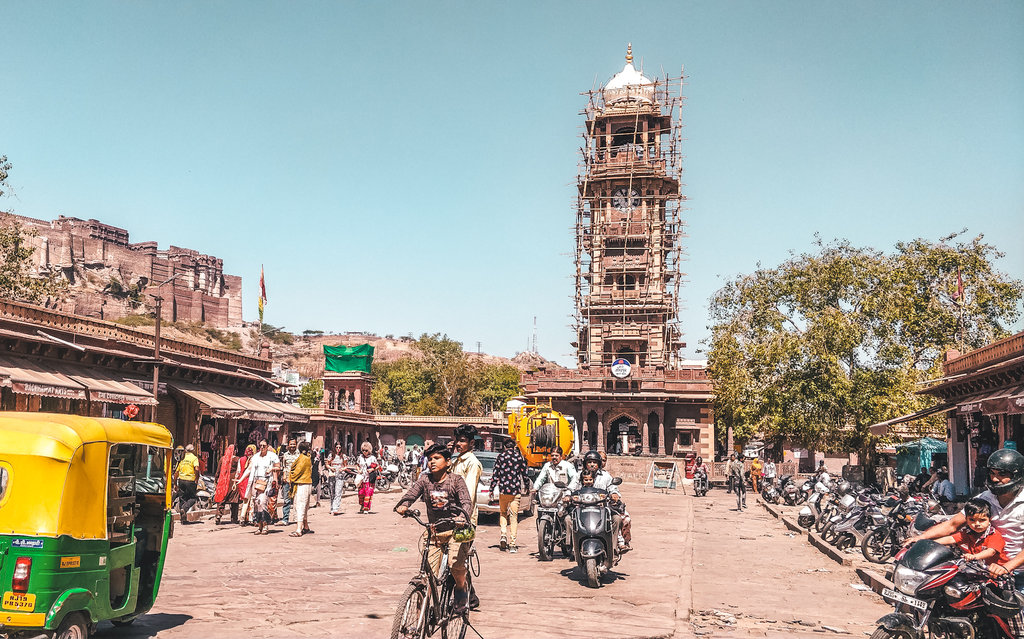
(339, 359)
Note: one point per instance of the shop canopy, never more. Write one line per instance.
(341, 359)
(1008, 400)
(225, 402)
(105, 388)
(913, 456)
(28, 378)
(881, 428)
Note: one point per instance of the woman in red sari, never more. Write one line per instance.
(243, 481)
(227, 485)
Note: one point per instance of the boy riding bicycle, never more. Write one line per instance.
(445, 496)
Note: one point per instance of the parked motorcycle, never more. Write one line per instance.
(789, 491)
(855, 523)
(550, 522)
(593, 535)
(700, 482)
(811, 511)
(390, 474)
(883, 542)
(205, 487)
(939, 594)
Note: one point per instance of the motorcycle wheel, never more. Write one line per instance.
(404, 480)
(846, 540)
(822, 520)
(593, 577)
(805, 521)
(544, 539)
(829, 534)
(383, 483)
(879, 546)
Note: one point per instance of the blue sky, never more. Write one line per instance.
(409, 167)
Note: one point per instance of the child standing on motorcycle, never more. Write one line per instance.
(977, 538)
(446, 497)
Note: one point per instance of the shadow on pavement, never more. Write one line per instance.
(144, 626)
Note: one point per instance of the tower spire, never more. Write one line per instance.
(629, 53)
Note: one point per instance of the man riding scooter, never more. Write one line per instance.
(594, 462)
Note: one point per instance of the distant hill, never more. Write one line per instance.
(306, 353)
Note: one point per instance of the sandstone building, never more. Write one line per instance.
(111, 277)
(631, 392)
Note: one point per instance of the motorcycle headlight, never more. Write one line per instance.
(548, 495)
(954, 593)
(590, 498)
(907, 580)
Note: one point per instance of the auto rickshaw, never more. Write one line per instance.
(84, 521)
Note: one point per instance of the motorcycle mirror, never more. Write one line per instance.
(616, 481)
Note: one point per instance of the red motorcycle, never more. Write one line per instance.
(939, 594)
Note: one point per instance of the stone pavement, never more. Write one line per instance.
(740, 573)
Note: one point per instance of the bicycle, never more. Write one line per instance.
(428, 603)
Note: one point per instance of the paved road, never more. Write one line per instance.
(739, 572)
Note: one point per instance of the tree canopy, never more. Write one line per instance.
(827, 343)
(311, 393)
(440, 379)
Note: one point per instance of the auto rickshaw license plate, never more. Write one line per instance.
(22, 602)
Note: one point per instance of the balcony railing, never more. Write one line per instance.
(994, 353)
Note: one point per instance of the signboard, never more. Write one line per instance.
(621, 368)
(662, 475)
(273, 427)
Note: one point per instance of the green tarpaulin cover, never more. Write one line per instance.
(913, 456)
(339, 359)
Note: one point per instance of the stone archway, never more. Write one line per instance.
(592, 426)
(623, 432)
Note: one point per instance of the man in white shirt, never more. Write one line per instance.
(557, 469)
(1005, 494)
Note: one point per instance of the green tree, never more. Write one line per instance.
(399, 384)
(827, 343)
(499, 383)
(454, 378)
(5, 168)
(311, 393)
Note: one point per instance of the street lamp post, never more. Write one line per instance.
(156, 343)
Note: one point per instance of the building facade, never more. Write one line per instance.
(982, 396)
(631, 392)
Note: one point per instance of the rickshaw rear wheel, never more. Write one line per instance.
(74, 626)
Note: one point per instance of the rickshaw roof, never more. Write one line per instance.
(58, 436)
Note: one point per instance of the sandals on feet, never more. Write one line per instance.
(295, 534)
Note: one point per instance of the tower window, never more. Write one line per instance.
(625, 282)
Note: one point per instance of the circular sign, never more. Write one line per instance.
(621, 368)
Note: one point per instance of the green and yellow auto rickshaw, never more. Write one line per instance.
(84, 521)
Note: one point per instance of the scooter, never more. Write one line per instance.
(593, 534)
(811, 510)
(550, 522)
(789, 491)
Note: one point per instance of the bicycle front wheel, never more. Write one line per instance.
(411, 616)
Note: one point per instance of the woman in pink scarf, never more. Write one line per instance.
(227, 485)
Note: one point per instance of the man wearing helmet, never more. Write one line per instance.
(1005, 494)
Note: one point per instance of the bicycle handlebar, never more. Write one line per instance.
(415, 514)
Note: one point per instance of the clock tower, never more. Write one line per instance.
(628, 224)
(631, 392)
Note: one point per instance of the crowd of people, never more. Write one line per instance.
(264, 486)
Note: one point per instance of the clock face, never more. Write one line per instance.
(621, 201)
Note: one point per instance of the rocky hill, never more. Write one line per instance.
(305, 353)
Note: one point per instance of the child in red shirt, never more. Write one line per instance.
(978, 539)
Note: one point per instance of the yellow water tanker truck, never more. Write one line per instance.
(540, 429)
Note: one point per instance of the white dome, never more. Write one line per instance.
(628, 77)
(629, 84)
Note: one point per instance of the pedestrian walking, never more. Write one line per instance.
(227, 485)
(467, 466)
(368, 469)
(264, 479)
(336, 465)
(186, 474)
(317, 462)
(301, 481)
(245, 515)
(508, 475)
(756, 469)
(288, 457)
(735, 471)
